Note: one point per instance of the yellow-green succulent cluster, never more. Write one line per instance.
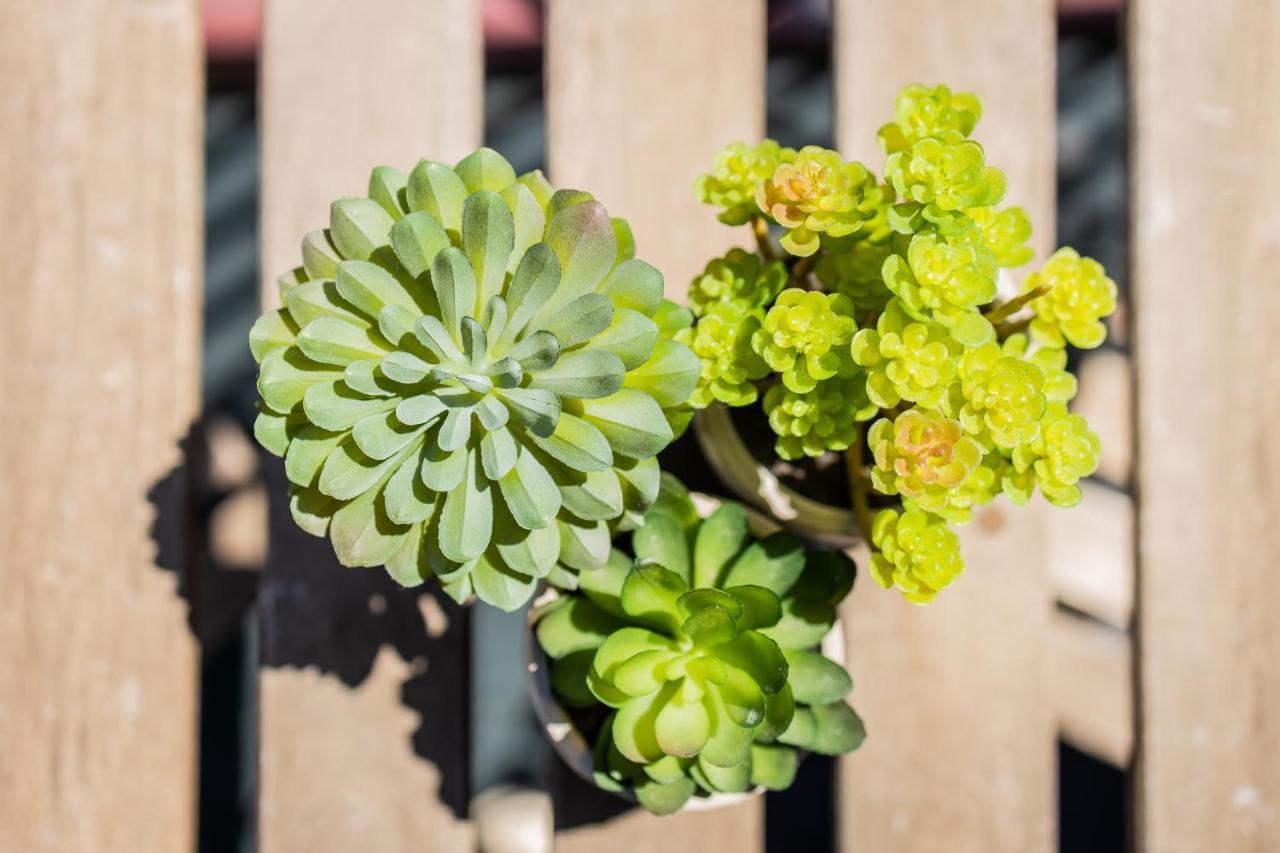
(738, 170)
(1080, 295)
(906, 359)
(740, 277)
(1005, 233)
(805, 337)
(822, 420)
(916, 552)
(891, 317)
(1064, 453)
(921, 111)
(948, 175)
(945, 279)
(722, 339)
(1003, 397)
(818, 193)
(922, 455)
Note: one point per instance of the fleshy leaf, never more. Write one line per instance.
(631, 337)
(320, 258)
(466, 522)
(574, 625)
(759, 657)
(485, 169)
(576, 443)
(416, 240)
(832, 729)
(386, 187)
(329, 340)
(455, 284)
(530, 493)
(664, 799)
(816, 680)
(333, 406)
(662, 541)
(596, 498)
(362, 534)
(285, 376)
(488, 236)
(774, 563)
(582, 237)
(719, 540)
(650, 595)
(358, 226)
(631, 421)
(497, 584)
(583, 374)
(437, 189)
(682, 727)
(773, 766)
(636, 285)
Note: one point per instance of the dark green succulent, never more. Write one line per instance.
(467, 380)
(702, 653)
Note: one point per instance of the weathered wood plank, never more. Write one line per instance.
(640, 96)
(364, 693)
(1090, 553)
(1092, 687)
(1207, 352)
(960, 754)
(1106, 400)
(100, 192)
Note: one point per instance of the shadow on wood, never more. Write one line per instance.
(318, 615)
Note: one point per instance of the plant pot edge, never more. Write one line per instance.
(752, 481)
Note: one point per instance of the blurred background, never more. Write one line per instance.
(508, 746)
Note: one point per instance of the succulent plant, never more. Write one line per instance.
(891, 315)
(1079, 295)
(921, 111)
(817, 193)
(704, 649)
(916, 552)
(466, 379)
(922, 455)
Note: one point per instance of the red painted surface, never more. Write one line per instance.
(233, 27)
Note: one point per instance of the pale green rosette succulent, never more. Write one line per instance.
(465, 381)
(703, 656)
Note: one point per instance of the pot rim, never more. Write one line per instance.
(753, 482)
(566, 739)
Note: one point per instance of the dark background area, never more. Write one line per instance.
(1091, 215)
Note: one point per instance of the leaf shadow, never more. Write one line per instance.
(313, 613)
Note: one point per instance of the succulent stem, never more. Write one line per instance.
(1004, 330)
(760, 228)
(1007, 309)
(800, 273)
(858, 487)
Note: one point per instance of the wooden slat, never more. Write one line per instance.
(100, 195)
(640, 96)
(1106, 400)
(1092, 687)
(1089, 553)
(960, 750)
(1206, 162)
(364, 690)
